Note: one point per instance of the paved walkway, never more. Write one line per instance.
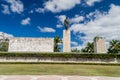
(54, 77)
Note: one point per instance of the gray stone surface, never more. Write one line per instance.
(99, 45)
(31, 45)
(55, 77)
(56, 59)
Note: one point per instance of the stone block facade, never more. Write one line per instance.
(31, 45)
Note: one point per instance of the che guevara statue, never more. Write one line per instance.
(66, 23)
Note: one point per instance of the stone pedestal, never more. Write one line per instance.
(66, 41)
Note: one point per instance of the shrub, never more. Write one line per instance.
(63, 55)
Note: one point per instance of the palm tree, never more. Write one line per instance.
(89, 48)
(57, 40)
(83, 50)
(114, 46)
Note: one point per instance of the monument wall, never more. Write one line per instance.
(31, 45)
(99, 45)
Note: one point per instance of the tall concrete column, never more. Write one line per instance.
(99, 45)
(66, 41)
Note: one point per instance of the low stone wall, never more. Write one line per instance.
(49, 59)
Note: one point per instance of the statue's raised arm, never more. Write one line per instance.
(66, 23)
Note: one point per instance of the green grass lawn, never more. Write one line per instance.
(59, 69)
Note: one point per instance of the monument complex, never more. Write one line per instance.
(47, 44)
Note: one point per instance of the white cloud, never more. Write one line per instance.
(91, 2)
(76, 19)
(46, 29)
(60, 5)
(105, 25)
(6, 35)
(40, 10)
(61, 18)
(16, 6)
(31, 11)
(94, 14)
(74, 43)
(59, 26)
(57, 6)
(5, 9)
(26, 21)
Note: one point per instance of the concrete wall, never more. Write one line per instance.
(99, 45)
(49, 59)
(31, 45)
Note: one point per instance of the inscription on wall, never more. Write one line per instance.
(31, 45)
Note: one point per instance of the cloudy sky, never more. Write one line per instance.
(44, 18)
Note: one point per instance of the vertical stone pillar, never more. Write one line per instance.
(66, 41)
(99, 45)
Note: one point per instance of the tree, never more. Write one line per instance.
(114, 46)
(75, 50)
(57, 40)
(4, 46)
(4, 43)
(83, 50)
(89, 48)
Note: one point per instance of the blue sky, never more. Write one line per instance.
(44, 18)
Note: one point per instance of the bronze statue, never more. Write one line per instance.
(66, 23)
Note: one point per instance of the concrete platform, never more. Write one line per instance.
(54, 77)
